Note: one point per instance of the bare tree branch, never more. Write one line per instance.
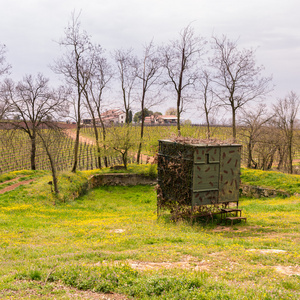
(148, 72)
(286, 111)
(238, 78)
(33, 102)
(181, 58)
(127, 65)
(75, 66)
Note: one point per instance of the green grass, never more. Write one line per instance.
(94, 243)
(280, 181)
(149, 170)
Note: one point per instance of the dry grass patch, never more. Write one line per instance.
(54, 290)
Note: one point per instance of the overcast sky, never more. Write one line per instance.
(29, 29)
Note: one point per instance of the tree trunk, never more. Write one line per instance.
(142, 130)
(290, 154)
(127, 116)
(97, 145)
(97, 140)
(233, 124)
(95, 128)
(33, 152)
(249, 160)
(103, 135)
(178, 117)
(53, 170)
(141, 141)
(281, 152)
(76, 147)
(179, 90)
(207, 124)
(124, 157)
(52, 165)
(270, 164)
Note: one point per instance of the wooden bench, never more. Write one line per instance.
(235, 218)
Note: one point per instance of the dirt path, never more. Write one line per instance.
(8, 181)
(86, 140)
(89, 141)
(14, 186)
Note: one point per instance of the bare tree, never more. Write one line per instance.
(285, 111)
(50, 135)
(127, 65)
(252, 121)
(4, 102)
(4, 69)
(101, 74)
(265, 148)
(75, 66)
(181, 58)
(34, 102)
(4, 66)
(148, 73)
(238, 78)
(121, 139)
(171, 111)
(209, 104)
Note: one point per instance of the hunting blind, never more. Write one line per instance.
(197, 174)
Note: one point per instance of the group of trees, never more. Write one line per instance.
(272, 135)
(186, 70)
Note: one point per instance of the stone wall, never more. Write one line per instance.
(125, 179)
(259, 192)
(119, 179)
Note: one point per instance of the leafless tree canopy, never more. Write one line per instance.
(286, 111)
(256, 123)
(76, 65)
(4, 69)
(148, 73)
(180, 59)
(171, 111)
(208, 103)
(100, 75)
(238, 78)
(33, 103)
(4, 102)
(4, 66)
(127, 64)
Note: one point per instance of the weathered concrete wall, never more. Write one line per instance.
(259, 192)
(125, 179)
(119, 179)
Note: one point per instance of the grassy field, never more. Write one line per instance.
(110, 240)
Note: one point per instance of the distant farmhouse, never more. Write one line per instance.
(152, 120)
(112, 116)
(118, 116)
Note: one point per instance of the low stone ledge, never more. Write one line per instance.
(123, 179)
(260, 192)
